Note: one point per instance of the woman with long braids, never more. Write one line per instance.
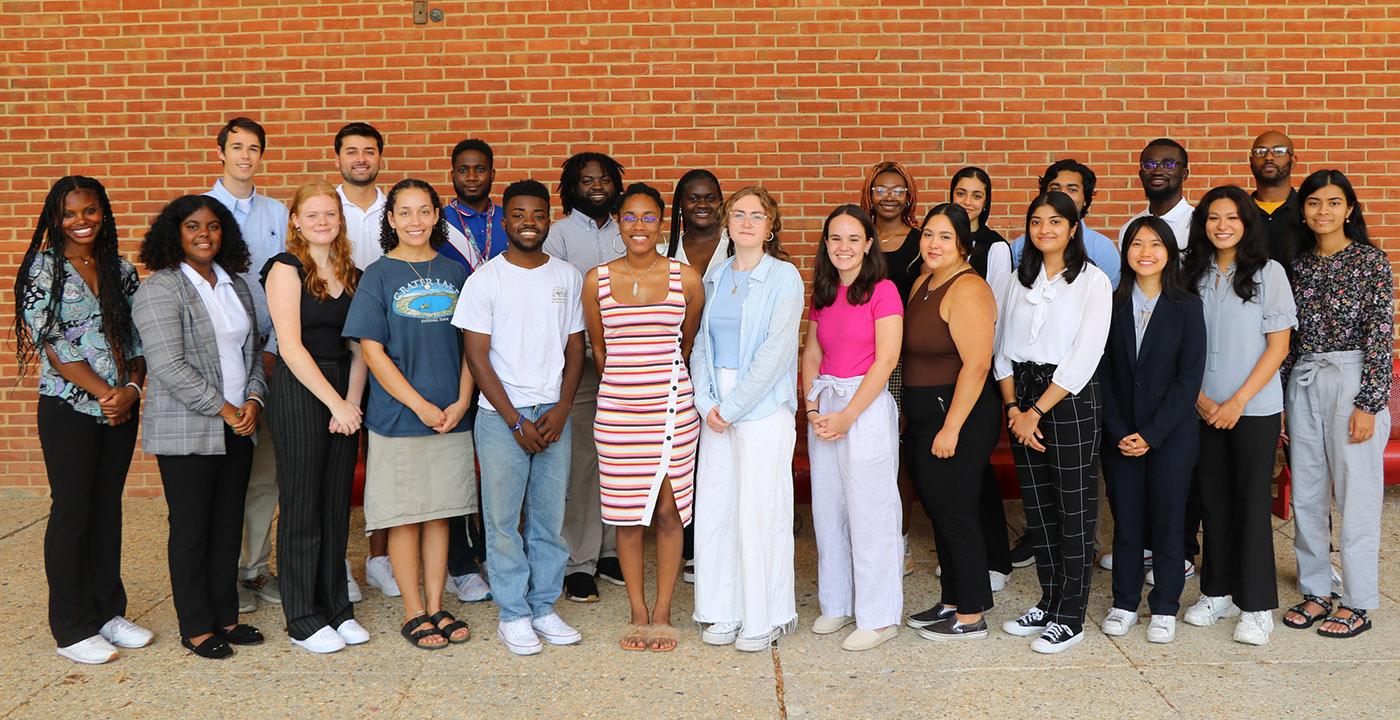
(73, 319)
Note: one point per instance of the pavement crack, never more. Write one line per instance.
(778, 687)
(21, 529)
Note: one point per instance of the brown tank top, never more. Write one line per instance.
(930, 357)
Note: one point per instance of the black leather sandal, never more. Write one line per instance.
(1356, 623)
(1309, 618)
(214, 647)
(415, 638)
(450, 628)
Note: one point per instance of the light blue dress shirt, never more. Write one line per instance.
(1102, 253)
(263, 222)
(1236, 330)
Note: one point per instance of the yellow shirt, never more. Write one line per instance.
(1269, 207)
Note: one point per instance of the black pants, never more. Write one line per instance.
(1148, 497)
(466, 546)
(1061, 492)
(993, 514)
(86, 461)
(1235, 472)
(205, 496)
(951, 489)
(315, 471)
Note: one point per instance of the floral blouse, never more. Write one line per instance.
(77, 336)
(1345, 302)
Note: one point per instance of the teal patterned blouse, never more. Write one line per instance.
(78, 334)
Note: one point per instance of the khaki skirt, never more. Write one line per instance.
(415, 479)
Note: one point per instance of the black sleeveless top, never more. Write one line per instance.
(982, 243)
(321, 322)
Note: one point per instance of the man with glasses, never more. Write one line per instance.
(1162, 168)
(1271, 163)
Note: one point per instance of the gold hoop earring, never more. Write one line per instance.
(770, 236)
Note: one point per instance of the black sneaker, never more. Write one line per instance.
(930, 616)
(1023, 555)
(1057, 638)
(611, 570)
(951, 629)
(580, 587)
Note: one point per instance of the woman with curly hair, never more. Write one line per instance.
(197, 322)
(73, 319)
(314, 414)
(420, 469)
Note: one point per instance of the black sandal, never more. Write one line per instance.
(451, 627)
(1356, 623)
(214, 647)
(1301, 609)
(415, 638)
(242, 635)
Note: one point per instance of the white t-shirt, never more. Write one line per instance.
(529, 315)
(231, 326)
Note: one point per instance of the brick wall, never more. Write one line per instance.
(799, 95)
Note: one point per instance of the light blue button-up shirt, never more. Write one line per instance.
(263, 222)
(768, 322)
(1236, 330)
(1101, 251)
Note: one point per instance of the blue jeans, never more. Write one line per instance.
(527, 573)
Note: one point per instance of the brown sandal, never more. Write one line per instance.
(661, 638)
(635, 639)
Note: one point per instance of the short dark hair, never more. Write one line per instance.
(388, 238)
(676, 220)
(473, 144)
(825, 278)
(573, 170)
(359, 129)
(638, 188)
(1075, 255)
(162, 249)
(246, 125)
(528, 187)
(1251, 253)
(1090, 180)
(1168, 142)
(1355, 226)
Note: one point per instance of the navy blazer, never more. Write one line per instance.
(1153, 391)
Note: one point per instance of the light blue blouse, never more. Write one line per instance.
(1236, 330)
(727, 301)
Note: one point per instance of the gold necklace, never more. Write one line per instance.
(637, 281)
(415, 270)
(928, 289)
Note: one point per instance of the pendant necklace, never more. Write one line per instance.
(637, 280)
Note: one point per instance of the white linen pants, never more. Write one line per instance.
(856, 510)
(1325, 462)
(743, 522)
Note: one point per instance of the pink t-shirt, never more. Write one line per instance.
(847, 332)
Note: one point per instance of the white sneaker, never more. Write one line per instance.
(471, 587)
(519, 636)
(352, 632)
(1118, 622)
(1209, 609)
(555, 631)
(1189, 568)
(1057, 638)
(688, 572)
(380, 575)
(1254, 628)
(998, 580)
(1162, 629)
(938, 571)
(828, 624)
(1106, 561)
(322, 641)
(352, 588)
(92, 651)
(860, 640)
(124, 633)
(1031, 623)
(757, 643)
(720, 633)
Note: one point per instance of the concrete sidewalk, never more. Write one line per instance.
(1202, 674)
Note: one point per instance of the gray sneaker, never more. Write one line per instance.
(266, 587)
(247, 601)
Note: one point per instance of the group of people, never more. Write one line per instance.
(607, 377)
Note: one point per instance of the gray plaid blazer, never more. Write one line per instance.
(184, 388)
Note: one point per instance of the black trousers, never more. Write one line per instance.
(993, 514)
(1148, 496)
(1235, 473)
(1061, 492)
(466, 546)
(86, 462)
(951, 489)
(205, 494)
(315, 472)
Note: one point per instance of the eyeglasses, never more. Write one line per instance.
(894, 192)
(1277, 151)
(1168, 164)
(757, 218)
(647, 219)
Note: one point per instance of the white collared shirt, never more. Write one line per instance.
(1055, 323)
(231, 327)
(1179, 218)
(362, 227)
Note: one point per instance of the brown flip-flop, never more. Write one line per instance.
(635, 639)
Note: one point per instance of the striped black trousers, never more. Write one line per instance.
(315, 470)
(1061, 492)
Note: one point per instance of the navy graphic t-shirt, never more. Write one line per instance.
(408, 308)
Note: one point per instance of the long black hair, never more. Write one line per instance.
(1173, 282)
(573, 170)
(1251, 254)
(388, 238)
(826, 279)
(980, 175)
(1355, 225)
(1075, 255)
(48, 240)
(163, 250)
(676, 219)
